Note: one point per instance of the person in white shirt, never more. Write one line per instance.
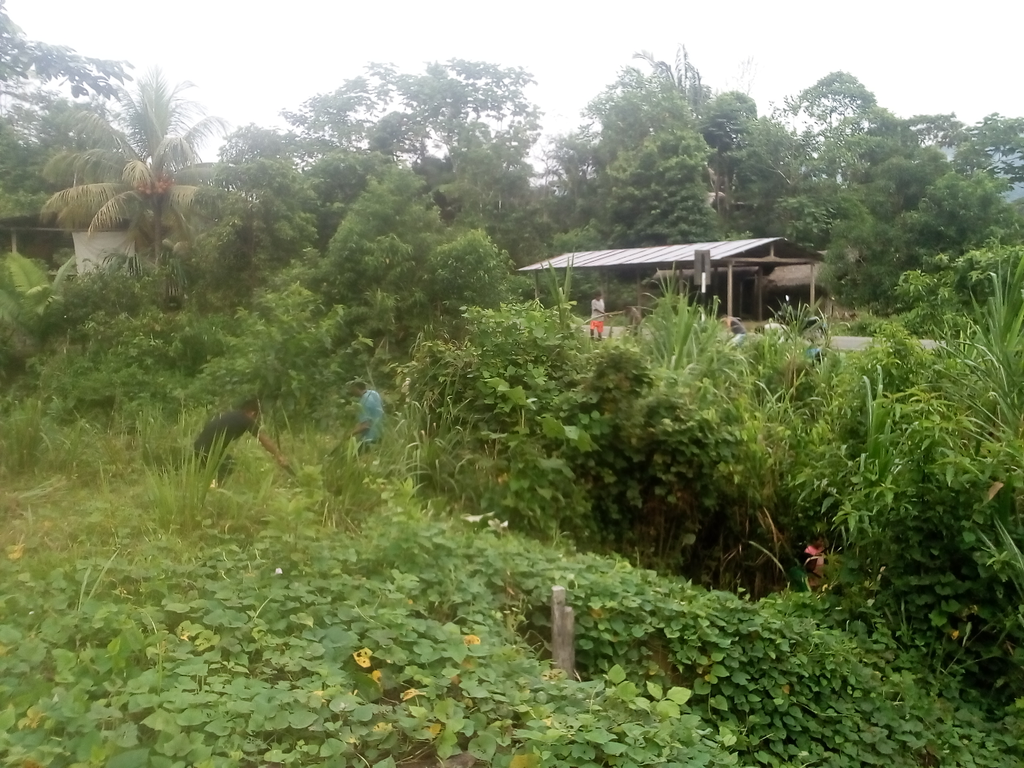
(597, 315)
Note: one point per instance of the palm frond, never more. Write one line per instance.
(647, 56)
(173, 154)
(25, 274)
(76, 206)
(200, 174)
(207, 128)
(69, 266)
(99, 131)
(114, 212)
(136, 173)
(182, 198)
(9, 307)
(31, 288)
(92, 166)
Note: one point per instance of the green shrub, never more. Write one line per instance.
(289, 350)
(411, 639)
(128, 362)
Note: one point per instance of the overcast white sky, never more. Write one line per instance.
(249, 60)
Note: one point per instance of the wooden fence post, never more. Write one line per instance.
(563, 633)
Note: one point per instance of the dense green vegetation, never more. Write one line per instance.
(389, 607)
(352, 615)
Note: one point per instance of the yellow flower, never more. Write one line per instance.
(410, 694)
(15, 552)
(362, 657)
(955, 634)
(434, 729)
(379, 727)
(471, 640)
(376, 676)
(32, 718)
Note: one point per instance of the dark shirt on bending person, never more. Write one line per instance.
(225, 429)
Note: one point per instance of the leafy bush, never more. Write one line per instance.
(396, 269)
(939, 299)
(289, 350)
(97, 298)
(296, 660)
(407, 640)
(127, 362)
(617, 448)
(507, 382)
(716, 460)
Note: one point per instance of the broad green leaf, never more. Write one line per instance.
(457, 651)
(133, 758)
(654, 689)
(302, 719)
(726, 736)
(192, 716)
(598, 736)
(626, 690)
(219, 727)
(161, 720)
(616, 675)
(680, 695)
(667, 709)
(483, 745)
(552, 427)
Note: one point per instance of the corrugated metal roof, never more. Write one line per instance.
(666, 254)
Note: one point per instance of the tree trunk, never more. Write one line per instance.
(158, 231)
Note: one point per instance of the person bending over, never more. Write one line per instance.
(224, 429)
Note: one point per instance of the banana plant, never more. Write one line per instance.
(26, 291)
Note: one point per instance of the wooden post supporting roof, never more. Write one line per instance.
(759, 293)
(728, 292)
(814, 269)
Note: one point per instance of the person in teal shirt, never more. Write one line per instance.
(371, 414)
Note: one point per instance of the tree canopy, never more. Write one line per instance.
(22, 59)
(453, 152)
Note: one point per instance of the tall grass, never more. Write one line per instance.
(34, 441)
(683, 337)
(177, 495)
(992, 356)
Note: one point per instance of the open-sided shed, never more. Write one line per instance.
(733, 262)
(30, 236)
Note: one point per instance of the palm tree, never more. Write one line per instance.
(682, 75)
(144, 172)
